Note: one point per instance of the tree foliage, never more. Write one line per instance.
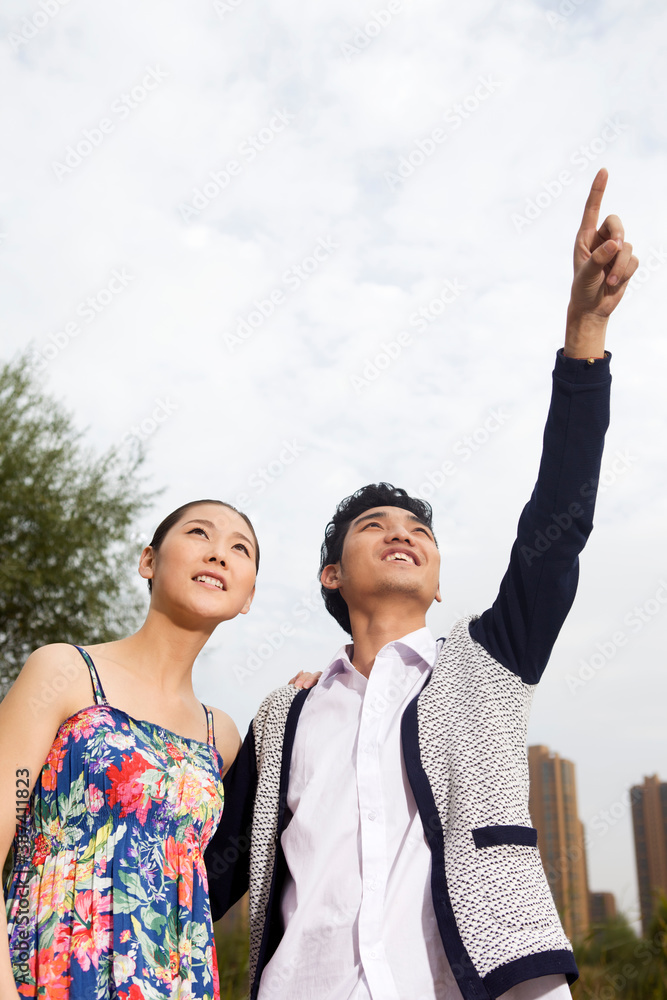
(616, 964)
(67, 552)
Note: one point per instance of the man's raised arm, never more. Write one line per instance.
(537, 591)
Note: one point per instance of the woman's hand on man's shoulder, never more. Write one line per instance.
(304, 679)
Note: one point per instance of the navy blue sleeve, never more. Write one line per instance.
(538, 589)
(227, 856)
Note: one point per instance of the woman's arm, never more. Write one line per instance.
(52, 685)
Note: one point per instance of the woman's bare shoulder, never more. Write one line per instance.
(54, 676)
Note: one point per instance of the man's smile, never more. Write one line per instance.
(401, 555)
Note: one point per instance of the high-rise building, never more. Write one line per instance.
(649, 820)
(560, 836)
(602, 907)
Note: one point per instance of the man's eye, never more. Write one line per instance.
(424, 530)
(372, 524)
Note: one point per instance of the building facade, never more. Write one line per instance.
(602, 907)
(560, 836)
(649, 821)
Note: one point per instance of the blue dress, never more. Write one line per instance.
(108, 895)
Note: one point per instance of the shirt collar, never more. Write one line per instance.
(419, 648)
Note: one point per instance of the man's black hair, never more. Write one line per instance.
(374, 495)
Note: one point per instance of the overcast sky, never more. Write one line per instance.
(219, 224)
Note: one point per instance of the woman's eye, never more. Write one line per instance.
(194, 530)
(244, 548)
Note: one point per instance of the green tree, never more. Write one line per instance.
(615, 964)
(67, 551)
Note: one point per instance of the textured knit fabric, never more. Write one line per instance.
(463, 739)
(269, 728)
(356, 907)
(500, 899)
(110, 899)
(469, 774)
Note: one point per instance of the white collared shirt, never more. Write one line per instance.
(356, 905)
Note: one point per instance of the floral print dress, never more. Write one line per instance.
(108, 896)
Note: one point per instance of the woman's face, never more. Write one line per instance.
(205, 565)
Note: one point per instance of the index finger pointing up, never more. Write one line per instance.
(589, 222)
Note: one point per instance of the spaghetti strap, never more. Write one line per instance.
(209, 720)
(98, 690)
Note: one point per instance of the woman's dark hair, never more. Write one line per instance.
(374, 495)
(175, 516)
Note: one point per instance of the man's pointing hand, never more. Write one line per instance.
(603, 265)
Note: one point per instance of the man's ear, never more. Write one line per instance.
(330, 576)
(147, 563)
(246, 607)
(438, 596)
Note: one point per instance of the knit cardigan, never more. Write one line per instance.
(463, 740)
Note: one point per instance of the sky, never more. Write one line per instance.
(295, 248)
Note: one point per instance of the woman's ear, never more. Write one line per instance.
(246, 607)
(147, 563)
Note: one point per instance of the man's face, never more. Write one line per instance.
(387, 550)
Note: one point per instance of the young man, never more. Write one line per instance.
(381, 819)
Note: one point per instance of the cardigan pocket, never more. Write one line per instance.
(493, 836)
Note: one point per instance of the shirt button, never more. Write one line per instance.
(368, 748)
(372, 816)
(374, 954)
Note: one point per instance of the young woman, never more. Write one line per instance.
(111, 777)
